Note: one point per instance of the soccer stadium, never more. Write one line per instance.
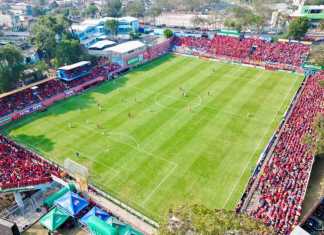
(219, 121)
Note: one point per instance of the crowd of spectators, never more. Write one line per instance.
(248, 49)
(48, 89)
(284, 178)
(20, 167)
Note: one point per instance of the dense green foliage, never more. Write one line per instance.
(314, 2)
(45, 33)
(298, 27)
(68, 52)
(54, 41)
(198, 219)
(322, 25)
(316, 55)
(11, 67)
(242, 18)
(112, 26)
(91, 11)
(135, 8)
(168, 33)
(176, 130)
(112, 8)
(319, 127)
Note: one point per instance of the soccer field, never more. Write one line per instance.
(176, 130)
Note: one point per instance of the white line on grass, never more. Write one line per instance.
(260, 142)
(157, 187)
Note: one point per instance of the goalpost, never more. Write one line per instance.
(79, 172)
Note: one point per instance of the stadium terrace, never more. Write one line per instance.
(277, 187)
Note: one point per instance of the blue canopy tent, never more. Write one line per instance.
(101, 214)
(72, 203)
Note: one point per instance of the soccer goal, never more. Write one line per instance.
(79, 172)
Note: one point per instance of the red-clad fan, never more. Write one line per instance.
(20, 167)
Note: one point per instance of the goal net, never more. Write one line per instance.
(79, 172)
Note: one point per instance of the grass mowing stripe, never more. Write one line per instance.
(168, 155)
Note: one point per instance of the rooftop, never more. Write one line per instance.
(126, 47)
(73, 66)
(102, 44)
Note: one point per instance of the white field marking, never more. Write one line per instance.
(94, 159)
(194, 106)
(260, 142)
(157, 187)
(138, 147)
(175, 165)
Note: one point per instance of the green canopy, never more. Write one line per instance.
(49, 201)
(54, 219)
(128, 230)
(99, 227)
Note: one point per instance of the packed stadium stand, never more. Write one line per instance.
(274, 195)
(20, 167)
(248, 48)
(22, 99)
(279, 188)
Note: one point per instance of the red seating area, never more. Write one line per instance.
(248, 48)
(20, 168)
(283, 181)
(48, 89)
(17, 101)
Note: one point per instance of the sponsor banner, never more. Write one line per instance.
(69, 92)
(31, 109)
(135, 60)
(5, 120)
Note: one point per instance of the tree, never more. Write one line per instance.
(244, 17)
(197, 219)
(41, 67)
(112, 8)
(321, 26)
(11, 67)
(112, 26)
(45, 33)
(198, 21)
(233, 24)
(134, 35)
(317, 55)
(298, 28)
(135, 8)
(154, 11)
(38, 11)
(91, 11)
(168, 33)
(68, 51)
(319, 134)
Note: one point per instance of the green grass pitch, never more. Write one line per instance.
(176, 130)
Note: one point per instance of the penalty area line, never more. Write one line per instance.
(157, 187)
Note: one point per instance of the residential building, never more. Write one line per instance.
(92, 30)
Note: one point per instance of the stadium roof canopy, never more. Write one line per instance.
(101, 214)
(73, 66)
(126, 47)
(72, 203)
(97, 226)
(102, 44)
(54, 219)
(128, 230)
(49, 201)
